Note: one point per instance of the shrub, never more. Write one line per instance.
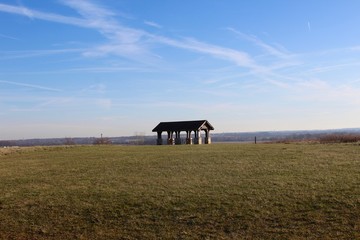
(340, 138)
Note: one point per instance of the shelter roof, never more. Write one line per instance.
(183, 126)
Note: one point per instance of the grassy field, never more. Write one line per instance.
(219, 191)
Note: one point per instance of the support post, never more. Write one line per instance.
(198, 139)
(207, 137)
(159, 139)
(188, 138)
(177, 138)
(170, 139)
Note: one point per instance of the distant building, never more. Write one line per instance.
(174, 129)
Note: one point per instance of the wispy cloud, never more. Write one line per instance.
(240, 58)
(278, 59)
(94, 17)
(124, 41)
(33, 86)
(88, 9)
(6, 55)
(40, 104)
(95, 88)
(16, 9)
(131, 42)
(152, 24)
(88, 70)
(138, 44)
(103, 20)
(33, 14)
(272, 50)
(108, 69)
(8, 37)
(329, 68)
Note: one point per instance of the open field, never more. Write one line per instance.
(219, 191)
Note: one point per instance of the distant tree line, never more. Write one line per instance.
(322, 136)
(102, 141)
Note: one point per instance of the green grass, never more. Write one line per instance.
(219, 191)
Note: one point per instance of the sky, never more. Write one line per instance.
(81, 68)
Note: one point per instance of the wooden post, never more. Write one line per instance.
(255, 139)
(159, 139)
(177, 138)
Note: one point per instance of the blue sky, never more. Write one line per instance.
(73, 68)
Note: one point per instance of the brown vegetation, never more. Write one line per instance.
(340, 138)
(102, 141)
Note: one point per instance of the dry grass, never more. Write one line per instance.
(222, 191)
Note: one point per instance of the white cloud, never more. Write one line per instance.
(33, 14)
(152, 24)
(241, 59)
(8, 37)
(88, 9)
(128, 41)
(274, 51)
(136, 44)
(6, 55)
(103, 20)
(333, 67)
(33, 86)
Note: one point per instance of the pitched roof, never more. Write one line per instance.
(183, 126)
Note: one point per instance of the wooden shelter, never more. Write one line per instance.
(174, 129)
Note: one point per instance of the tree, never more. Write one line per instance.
(102, 141)
(69, 141)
